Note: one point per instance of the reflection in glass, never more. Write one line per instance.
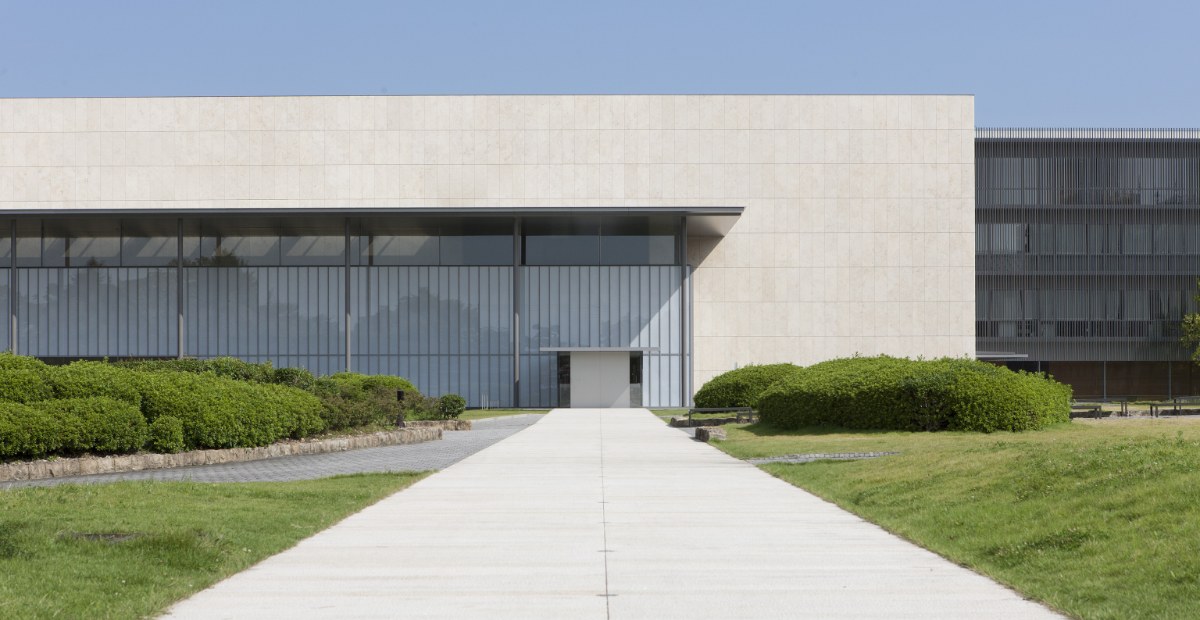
(240, 251)
(638, 240)
(415, 249)
(148, 251)
(313, 250)
(562, 241)
(93, 251)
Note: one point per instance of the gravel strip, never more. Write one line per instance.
(454, 447)
(809, 458)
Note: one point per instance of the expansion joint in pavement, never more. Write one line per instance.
(604, 524)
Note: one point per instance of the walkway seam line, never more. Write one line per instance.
(604, 524)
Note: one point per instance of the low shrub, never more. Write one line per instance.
(228, 367)
(352, 399)
(28, 432)
(166, 435)
(25, 385)
(418, 407)
(901, 394)
(294, 377)
(743, 386)
(99, 425)
(86, 379)
(12, 361)
(451, 406)
(224, 413)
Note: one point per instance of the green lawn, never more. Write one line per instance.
(480, 414)
(129, 550)
(1099, 519)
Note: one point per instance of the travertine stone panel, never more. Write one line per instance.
(857, 235)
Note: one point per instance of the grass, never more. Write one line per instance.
(480, 414)
(131, 549)
(1095, 518)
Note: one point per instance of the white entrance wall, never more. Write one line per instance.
(599, 379)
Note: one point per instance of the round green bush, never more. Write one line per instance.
(99, 425)
(743, 386)
(892, 393)
(85, 379)
(451, 406)
(166, 435)
(25, 385)
(28, 432)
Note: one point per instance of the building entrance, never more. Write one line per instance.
(600, 379)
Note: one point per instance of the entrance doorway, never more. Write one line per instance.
(599, 379)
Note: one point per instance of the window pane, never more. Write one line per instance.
(148, 251)
(411, 249)
(477, 250)
(94, 251)
(638, 241)
(238, 251)
(313, 250)
(562, 241)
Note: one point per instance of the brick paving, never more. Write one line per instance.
(454, 446)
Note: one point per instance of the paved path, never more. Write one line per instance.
(454, 447)
(605, 514)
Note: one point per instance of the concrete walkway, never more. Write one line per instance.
(605, 514)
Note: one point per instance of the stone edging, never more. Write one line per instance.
(809, 458)
(86, 465)
(446, 425)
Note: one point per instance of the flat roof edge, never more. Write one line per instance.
(334, 210)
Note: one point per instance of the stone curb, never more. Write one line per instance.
(446, 425)
(87, 465)
(706, 433)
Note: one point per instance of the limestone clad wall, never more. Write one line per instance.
(857, 236)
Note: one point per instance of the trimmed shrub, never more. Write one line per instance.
(240, 370)
(743, 386)
(86, 379)
(900, 394)
(352, 400)
(223, 413)
(12, 361)
(451, 406)
(27, 432)
(166, 435)
(25, 385)
(98, 424)
(294, 377)
(228, 367)
(418, 407)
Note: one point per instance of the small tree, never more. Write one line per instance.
(1190, 328)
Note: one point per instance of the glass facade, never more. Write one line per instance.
(454, 304)
(1087, 247)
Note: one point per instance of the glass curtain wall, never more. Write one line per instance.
(431, 300)
(95, 289)
(266, 290)
(601, 282)
(435, 300)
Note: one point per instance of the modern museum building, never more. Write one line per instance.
(538, 251)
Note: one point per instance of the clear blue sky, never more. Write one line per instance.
(1029, 63)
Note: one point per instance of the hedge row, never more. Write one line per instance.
(901, 394)
(98, 425)
(742, 387)
(174, 405)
